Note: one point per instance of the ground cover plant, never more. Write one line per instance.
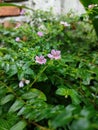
(91, 7)
(49, 74)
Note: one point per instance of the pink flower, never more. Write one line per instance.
(17, 39)
(22, 12)
(55, 54)
(40, 59)
(92, 6)
(64, 23)
(40, 34)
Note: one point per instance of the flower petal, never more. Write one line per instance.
(40, 59)
(53, 52)
(27, 81)
(58, 52)
(50, 56)
(57, 57)
(21, 84)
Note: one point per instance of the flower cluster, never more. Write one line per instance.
(55, 54)
(22, 82)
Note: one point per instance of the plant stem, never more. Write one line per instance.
(39, 126)
(39, 74)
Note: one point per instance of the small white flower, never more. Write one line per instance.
(92, 6)
(27, 81)
(17, 39)
(64, 23)
(96, 5)
(42, 27)
(39, 19)
(21, 84)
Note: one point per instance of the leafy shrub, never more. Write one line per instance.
(91, 7)
(49, 74)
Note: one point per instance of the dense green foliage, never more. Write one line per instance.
(58, 94)
(91, 7)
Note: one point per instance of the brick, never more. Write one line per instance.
(9, 11)
(13, 24)
(14, 0)
(0, 1)
(8, 24)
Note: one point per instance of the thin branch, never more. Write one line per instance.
(41, 127)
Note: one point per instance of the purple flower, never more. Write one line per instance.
(22, 12)
(17, 39)
(40, 59)
(40, 34)
(21, 84)
(55, 54)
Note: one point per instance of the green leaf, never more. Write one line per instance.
(21, 74)
(13, 70)
(4, 125)
(34, 94)
(85, 75)
(81, 124)
(19, 126)
(4, 50)
(63, 91)
(2, 91)
(2, 128)
(63, 118)
(29, 71)
(75, 97)
(43, 77)
(6, 99)
(69, 92)
(18, 104)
